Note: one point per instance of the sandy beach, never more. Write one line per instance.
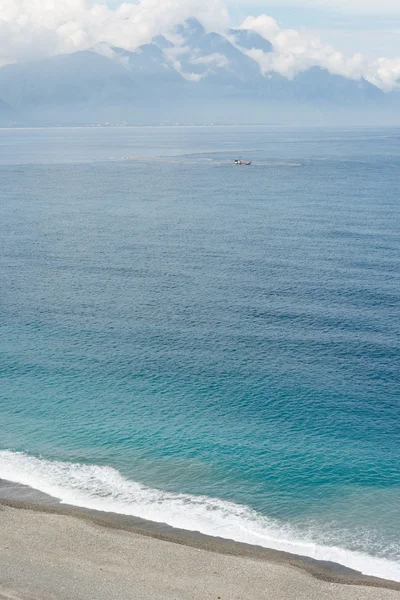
(60, 553)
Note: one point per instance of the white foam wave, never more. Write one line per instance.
(104, 488)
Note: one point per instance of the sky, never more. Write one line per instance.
(370, 26)
(354, 38)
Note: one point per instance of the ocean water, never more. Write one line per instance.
(209, 346)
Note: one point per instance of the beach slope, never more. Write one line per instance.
(50, 556)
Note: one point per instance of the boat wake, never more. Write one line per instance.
(196, 160)
(104, 488)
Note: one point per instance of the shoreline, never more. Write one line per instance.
(20, 497)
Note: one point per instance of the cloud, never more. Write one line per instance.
(214, 60)
(210, 62)
(36, 28)
(296, 51)
(384, 73)
(32, 29)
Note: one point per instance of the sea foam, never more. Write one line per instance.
(104, 488)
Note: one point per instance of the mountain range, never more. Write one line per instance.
(196, 76)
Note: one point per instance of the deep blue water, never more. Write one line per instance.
(211, 346)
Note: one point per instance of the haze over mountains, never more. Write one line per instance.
(193, 77)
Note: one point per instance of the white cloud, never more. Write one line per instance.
(296, 51)
(214, 60)
(38, 28)
(35, 28)
(385, 73)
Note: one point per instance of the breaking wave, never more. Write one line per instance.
(104, 488)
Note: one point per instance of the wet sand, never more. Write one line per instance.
(53, 552)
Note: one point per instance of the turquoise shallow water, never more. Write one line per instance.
(210, 346)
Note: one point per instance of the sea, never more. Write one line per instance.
(210, 346)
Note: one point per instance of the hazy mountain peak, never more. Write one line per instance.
(190, 28)
(162, 42)
(248, 39)
(151, 50)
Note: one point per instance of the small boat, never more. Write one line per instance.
(238, 161)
